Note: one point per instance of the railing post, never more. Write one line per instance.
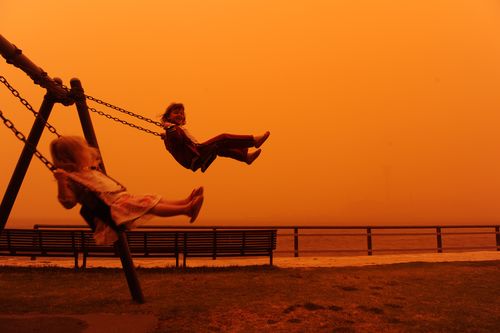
(75, 249)
(439, 240)
(271, 241)
(243, 242)
(184, 250)
(296, 242)
(84, 249)
(176, 249)
(369, 240)
(497, 232)
(35, 227)
(214, 244)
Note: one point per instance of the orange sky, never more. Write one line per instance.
(381, 111)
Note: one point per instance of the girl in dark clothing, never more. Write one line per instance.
(193, 155)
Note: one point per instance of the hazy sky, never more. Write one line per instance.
(380, 111)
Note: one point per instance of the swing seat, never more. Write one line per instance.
(97, 214)
(185, 152)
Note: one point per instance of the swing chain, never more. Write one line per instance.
(119, 109)
(53, 130)
(124, 122)
(22, 137)
(28, 106)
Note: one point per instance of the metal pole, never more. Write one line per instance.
(295, 242)
(497, 234)
(15, 56)
(121, 244)
(184, 251)
(25, 160)
(84, 115)
(271, 246)
(214, 244)
(439, 240)
(369, 241)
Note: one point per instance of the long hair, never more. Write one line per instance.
(72, 153)
(170, 108)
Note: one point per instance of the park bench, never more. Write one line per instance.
(143, 244)
(73, 243)
(40, 243)
(228, 243)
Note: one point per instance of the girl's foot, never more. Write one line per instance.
(196, 192)
(252, 156)
(259, 140)
(195, 208)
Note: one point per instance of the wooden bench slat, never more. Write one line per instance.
(192, 243)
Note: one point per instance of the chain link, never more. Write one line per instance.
(52, 129)
(119, 109)
(124, 122)
(27, 105)
(22, 137)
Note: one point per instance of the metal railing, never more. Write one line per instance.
(370, 234)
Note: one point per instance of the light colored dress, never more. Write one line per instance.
(126, 209)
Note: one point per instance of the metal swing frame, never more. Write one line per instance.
(56, 93)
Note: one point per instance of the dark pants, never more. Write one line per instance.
(225, 145)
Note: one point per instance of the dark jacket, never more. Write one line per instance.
(182, 148)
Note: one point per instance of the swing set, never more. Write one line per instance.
(92, 207)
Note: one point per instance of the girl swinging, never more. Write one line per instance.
(193, 155)
(77, 171)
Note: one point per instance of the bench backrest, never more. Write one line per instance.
(243, 242)
(139, 243)
(153, 242)
(42, 241)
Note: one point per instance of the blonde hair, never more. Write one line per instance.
(72, 153)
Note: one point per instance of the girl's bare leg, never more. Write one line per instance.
(196, 192)
(165, 209)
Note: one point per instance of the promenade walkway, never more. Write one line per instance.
(282, 262)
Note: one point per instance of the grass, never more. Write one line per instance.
(417, 297)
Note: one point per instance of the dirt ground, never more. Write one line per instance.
(408, 297)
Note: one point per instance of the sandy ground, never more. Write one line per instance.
(89, 323)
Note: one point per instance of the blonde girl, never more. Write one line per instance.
(77, 171)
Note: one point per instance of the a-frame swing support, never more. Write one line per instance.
(56, 93)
